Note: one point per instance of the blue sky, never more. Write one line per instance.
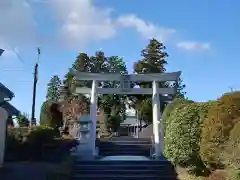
(202, 39)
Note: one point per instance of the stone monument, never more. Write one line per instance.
(83, 131)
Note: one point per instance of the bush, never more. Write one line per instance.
(217, 126)
(34, 141)
(14, 146)
(38, 143)
(231, 154)
(176, 103)
(183, 136)
(51, 115)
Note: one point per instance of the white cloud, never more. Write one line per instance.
(17, 26)
(193, 45)
(146, 29)
(82, 21)
(75, 23)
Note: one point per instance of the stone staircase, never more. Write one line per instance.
(124, 146)
(124, 170)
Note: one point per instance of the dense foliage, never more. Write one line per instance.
(176, 103)
(203, 137)
(53, 90)
(51, 115)
(22, 121)
(221, 118)
(113, 105)
(231, 153)
(37, 143)
(154, 60)
(182, 136)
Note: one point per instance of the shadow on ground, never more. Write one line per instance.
(26, 170)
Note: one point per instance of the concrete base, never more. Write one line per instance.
(82, 153)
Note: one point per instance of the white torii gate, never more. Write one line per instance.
(125, 81)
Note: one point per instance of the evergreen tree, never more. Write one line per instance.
(22, 120)
(100, 64)
(179, 86)
(53, 90)
(154, 58)
(153, 61)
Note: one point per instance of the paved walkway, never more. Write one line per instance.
(26, 170)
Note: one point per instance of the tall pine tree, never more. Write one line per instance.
(53, 90)
(153, 61)
(154, 58)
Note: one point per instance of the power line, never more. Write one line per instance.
(18, 55)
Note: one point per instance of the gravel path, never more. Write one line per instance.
(26, 170)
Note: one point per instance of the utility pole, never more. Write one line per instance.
(35, 79)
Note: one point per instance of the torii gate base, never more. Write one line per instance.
(125, 81)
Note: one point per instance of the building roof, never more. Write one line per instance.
(6, 91)
(12, 111)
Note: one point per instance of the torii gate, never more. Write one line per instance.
(125, 88)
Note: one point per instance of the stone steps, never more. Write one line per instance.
(124, 170)
(124, 146)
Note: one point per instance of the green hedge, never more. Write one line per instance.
(183, 134)
(231, 155)
(38, 143)
(216, 128)
(176, 103)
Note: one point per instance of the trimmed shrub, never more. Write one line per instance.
(38, 138)
(177, 102)
(231, 154)
(51, 115)
(183, 136)
(216, 128)
(38, 143)
(14, 143)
